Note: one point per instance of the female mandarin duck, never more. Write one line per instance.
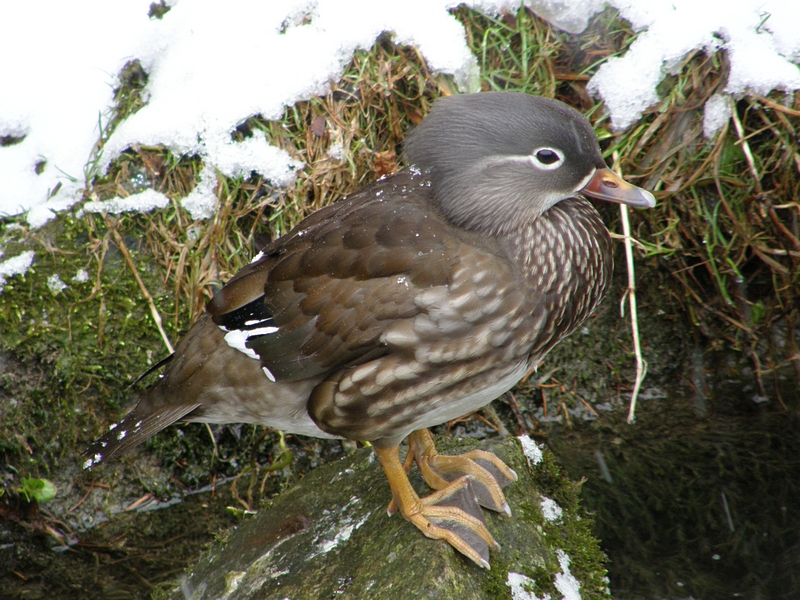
(412, 302)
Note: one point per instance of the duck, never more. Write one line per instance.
(413, 301)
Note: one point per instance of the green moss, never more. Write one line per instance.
(381, 557)
(573, 533)
(67, 358)
(80, 346)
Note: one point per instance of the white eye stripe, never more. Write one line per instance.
(547, 158)
(584, 181)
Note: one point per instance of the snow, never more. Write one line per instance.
(58, 64)
(761, 38)
(551, 511)
(145, 201)
(520, 587)
(82, 276)
(55, 284)
(531, 450)
(201, 200)
(336, 151)
(18, 265)
(211, 67)
(565, 581)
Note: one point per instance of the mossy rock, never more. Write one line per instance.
(329, 536)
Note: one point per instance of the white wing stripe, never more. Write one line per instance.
(237, 339)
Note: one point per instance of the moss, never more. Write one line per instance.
(720, 248)
(80, 344)
(302, 533)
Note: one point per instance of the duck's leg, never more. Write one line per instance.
(489, 474)
(452, 513)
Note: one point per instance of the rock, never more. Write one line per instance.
(330, 537)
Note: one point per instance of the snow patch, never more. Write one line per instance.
(145, 201)
(201, 200)
(18, 265)
(55, 285)
(336, 151)
(531, 450)
(301, 47)
(761, 39)
(565, 581)
(716, 114)
(551, 511)
(522, 587)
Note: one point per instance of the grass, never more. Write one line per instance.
(730, 239)
(722, 247)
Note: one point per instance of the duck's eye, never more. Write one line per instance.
(547, 158)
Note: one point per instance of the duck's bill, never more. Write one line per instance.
(607, 185)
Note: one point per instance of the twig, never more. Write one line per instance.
(737, 124)
(779, 107)
(589, 406)
(641, 365)
(495, 421)
(145, 293)
(86, 495)
(727, 512)
(214, 448)
(634, 241)
(563, 408)
(512, 403)
(139, 502)
(544, 402)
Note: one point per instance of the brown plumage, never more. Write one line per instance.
(417, 299)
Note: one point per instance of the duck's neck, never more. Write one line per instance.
(565, 258)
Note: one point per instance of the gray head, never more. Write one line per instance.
(500, 159)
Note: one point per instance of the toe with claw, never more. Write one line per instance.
(463, 484)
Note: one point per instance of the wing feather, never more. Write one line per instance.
(335, 284)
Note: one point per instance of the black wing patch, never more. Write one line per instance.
(253, 315)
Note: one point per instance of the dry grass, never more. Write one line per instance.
(724, 240)
(729, 216)
(726, 226)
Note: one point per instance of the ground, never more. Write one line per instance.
(707, 467)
